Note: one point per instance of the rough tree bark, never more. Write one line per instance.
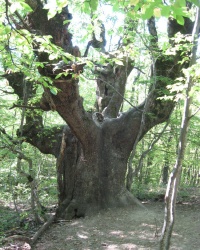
(92, 151)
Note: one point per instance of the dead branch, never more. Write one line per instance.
(46, 225)
(24, 106)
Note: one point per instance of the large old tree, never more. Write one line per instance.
(92, 149)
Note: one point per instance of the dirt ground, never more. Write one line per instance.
(127, 228)
(123, 228)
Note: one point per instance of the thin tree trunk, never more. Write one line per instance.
(165, 170)
(59, 166)
(32, 183)
(172, 187)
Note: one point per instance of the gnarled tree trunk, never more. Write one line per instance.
(92, 151)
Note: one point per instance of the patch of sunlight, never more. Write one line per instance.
(112, 247)
(177, 234)
(148, 225)
(69, 238)
(118, 232)
(82, 236)
(145, 235)
(127, 246)
(176, 248)
(75, 223)
(131, 233)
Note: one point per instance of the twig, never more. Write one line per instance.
(6, 92)
(190, 117)
(24, 106)
(137, 169)
(46, 225)
(2, 130)
(18, 15)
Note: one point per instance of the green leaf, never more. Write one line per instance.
(20, 5)
(54, 90)
(94, 4)
(52, 56)
(86, 7)
(165, 11)
(179, 11)
(147, 12)
(66, 60)
(82, 78)
(157, 12)
(180, 20)
(61, 4)
(180, 3)
(51, 13)
(66, 21)
(26, 7)
(118, 62)
(5, 30)
(90, 64)
(134, 2)
(59, 75)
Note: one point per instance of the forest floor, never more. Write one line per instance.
(126, 228)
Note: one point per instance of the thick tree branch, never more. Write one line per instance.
(156, 110)
(120, 79)
(117, 92)
(69, 105)
(67, 102)
(111, 82)
(164, 73)
(47, 140)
